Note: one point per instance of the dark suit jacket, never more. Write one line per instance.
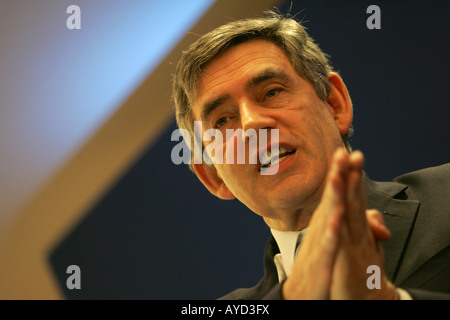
(416, 209)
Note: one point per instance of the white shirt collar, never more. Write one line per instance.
(287, 242)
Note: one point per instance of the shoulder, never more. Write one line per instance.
(242, 294)
(431, 182)
(268, 287)
(273, 292)
(434, 174)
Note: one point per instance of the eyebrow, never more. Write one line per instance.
(268, 74)
(210, 106)
(264, 75)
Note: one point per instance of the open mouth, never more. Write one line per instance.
(269, 159)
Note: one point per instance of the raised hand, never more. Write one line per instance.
(358, 245)
(312, 271)
(341, 241)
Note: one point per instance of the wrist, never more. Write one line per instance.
(389, 292)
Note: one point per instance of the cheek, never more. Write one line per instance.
(318, 123)
(228, 174)
(235, 178)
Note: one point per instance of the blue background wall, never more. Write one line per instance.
(158, 234)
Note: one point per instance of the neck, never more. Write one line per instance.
(291, 221)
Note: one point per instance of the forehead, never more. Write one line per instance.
(234, 67)
(245, 57)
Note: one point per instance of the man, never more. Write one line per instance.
(268, 74)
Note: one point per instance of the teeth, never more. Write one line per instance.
(275, 161)
(266, 159)
(281, 150)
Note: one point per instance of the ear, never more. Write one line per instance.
(211, 179)
(340, 103)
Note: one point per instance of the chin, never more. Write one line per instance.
(298, 196)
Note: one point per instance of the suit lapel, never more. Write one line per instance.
(399, 216)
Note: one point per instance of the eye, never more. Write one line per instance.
(221, 122)
(271, 93)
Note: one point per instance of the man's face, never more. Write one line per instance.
(254, 86)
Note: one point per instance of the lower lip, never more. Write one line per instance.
(285, 163)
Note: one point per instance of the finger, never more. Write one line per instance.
(337, 176)
(332, 209)
(377, 225)
(311, 274)
(357, 160)
(356, 198)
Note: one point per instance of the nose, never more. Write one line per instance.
(256, 117)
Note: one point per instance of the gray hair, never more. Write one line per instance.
(306, 58)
